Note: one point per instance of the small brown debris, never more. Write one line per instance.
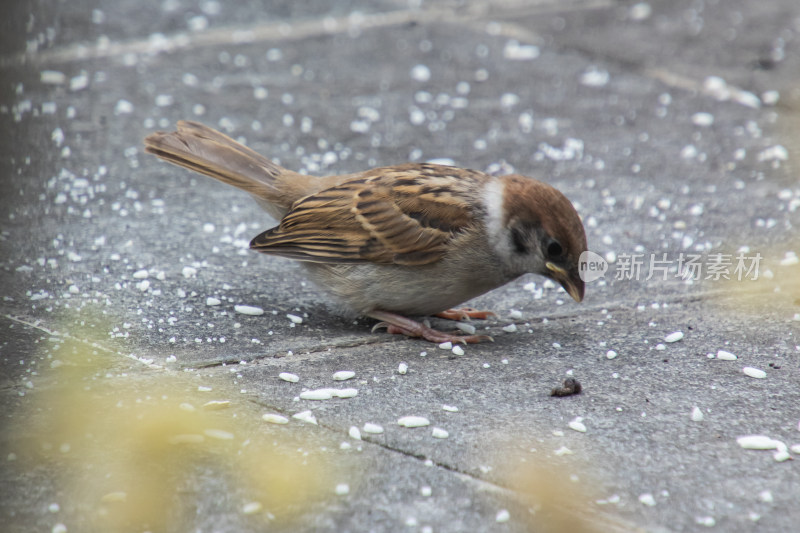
(571, 386)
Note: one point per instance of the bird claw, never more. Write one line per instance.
(380, 325)
(400, 324)
(438, 337)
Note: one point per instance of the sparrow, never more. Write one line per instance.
(408, 240)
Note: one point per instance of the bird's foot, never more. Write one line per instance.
(465, 313)
(399, 324)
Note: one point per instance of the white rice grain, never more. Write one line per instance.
(215, 405)
(373, 429)
(758, 442)
(273, 418)
(219, 434)
(248, 310)
(439, 433)
(674, 336)
(469, 329)
(413, 421)
(306, 416)
(647, 499)
(707, 521)
(754, 372)
(252, 508)
(318, 394)
(577, 425)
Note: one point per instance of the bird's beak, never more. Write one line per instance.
(571, 282)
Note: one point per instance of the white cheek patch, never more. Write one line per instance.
(493, 203)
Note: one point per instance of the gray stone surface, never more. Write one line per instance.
(605, 107)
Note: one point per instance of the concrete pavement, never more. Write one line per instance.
(671, 125)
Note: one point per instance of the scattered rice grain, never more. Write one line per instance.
(647, 499)
(252, 508)
(577, 424)
(215, 405)
(275, 418)
(248, 310)
(754, 372)
(306, 416)
(674, 337)
(413, 421)
(439, 433)
(219, 434)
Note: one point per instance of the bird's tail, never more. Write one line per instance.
(207, 151)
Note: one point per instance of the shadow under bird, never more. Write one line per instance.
(398, 241)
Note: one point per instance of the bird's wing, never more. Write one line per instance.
(403, 215)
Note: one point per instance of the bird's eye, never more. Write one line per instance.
(554, 248)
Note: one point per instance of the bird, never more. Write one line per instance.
(402, 241)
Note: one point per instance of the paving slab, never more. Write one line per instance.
(671, 126)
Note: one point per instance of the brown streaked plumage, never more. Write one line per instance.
(403, 215)
(410, 239)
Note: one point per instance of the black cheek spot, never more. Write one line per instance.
(518, 240)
